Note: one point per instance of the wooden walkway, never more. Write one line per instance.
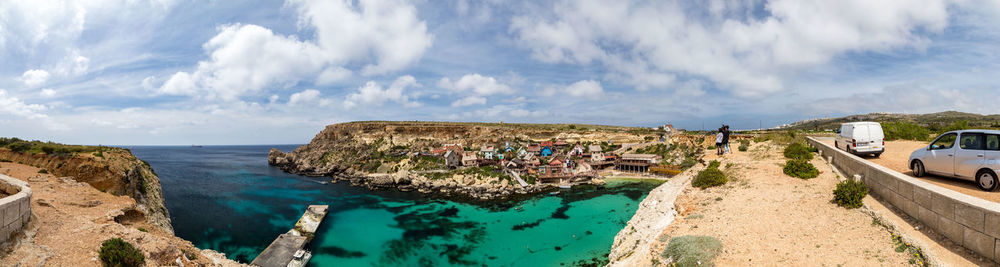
(281, 252)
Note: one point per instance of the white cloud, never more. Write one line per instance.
(648, 42)
(47, 93)
(585, 88)
(272, 99)
(247, 59)
(371, 94)
(14, 106)
(306, 97)
(469, 101)
(478, 84)
(32, 78)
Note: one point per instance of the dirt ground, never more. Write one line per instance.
(897, 155)
(764, 217)
(70, 220)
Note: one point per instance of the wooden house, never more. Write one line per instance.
(452, 158)
(488, 152)
(596, 153)
(577, 150)
(469, 158)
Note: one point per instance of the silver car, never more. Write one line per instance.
(975, 158)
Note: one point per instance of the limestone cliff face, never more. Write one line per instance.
(115, 171)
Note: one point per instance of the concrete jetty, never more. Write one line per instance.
(289, 248)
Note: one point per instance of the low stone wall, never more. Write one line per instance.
(972, 222)
(15, 209)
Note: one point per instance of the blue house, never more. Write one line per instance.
(546, 151)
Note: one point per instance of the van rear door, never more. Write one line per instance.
(862, 135)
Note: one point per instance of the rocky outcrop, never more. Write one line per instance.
(114, 170)
(377, 154)
(632, 246)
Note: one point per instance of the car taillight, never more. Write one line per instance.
(883, 142)
(854, 142)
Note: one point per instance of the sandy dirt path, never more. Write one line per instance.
(897, 155)
(766, 218)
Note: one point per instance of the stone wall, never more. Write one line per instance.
(972, 222)
(15, 209)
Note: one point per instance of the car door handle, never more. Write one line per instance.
(979, 156)
(951, 155)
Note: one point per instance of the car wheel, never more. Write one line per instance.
(918, 169)
(878, 154)
(986, 180)
(836, 144)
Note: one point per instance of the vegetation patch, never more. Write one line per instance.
(690, 250)
(801, 169)
(916, 255)
(799, 151)
(905, 131)
(43, 171)
(118, 253)
(35, 147)
(710, 176)
(849, 193)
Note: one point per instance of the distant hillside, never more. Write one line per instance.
(932, 121)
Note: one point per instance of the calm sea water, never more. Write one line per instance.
(228, 199)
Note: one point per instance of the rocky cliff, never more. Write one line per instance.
(382, 154)
(113, 170)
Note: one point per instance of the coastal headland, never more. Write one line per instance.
(482, 161)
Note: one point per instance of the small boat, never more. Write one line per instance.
(554, 193)
(196, 146)
(565, 186)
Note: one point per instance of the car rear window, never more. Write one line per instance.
(972, 141)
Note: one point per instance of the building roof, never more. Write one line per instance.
(555, 162)
(560, 142)
(595, 148)
(534, 148)
(641, 156)
(547, 143)
(486, 149)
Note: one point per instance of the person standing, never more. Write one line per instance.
(725, 140)
(718, 142)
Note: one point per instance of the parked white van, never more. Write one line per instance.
(861, 138)
(975, 158)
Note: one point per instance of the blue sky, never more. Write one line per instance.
(158, 72)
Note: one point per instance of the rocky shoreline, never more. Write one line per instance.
(469, 190)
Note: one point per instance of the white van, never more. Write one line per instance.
(861, 138)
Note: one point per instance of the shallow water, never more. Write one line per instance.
(228, 199)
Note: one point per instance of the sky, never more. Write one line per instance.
(179, 72)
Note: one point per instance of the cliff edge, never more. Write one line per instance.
(111, 170)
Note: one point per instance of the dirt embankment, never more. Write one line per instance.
(764, 217)
(115, 171)
(71, 219)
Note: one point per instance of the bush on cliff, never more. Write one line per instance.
(690, 250)
(798, 151)
(118, 253)
(710, 176)
(849, 193)
(801, 169)
(19, 147)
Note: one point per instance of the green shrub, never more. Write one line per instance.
(48, 150)
(43, 171)
(905, 131)
(5, 160)
(692, 250)
(798, 151)
(849, 193)
(711, 147)
(743, 148)
(714, 164)
(141, 229)
(118, 253)
(955, 126)
(709, 177)
(19, 146)
(801, 169)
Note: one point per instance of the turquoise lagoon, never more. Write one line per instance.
(228, 199)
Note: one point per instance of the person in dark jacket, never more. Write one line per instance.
(725, 139)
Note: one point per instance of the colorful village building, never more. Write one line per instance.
(487, 152)
(577, 150)
(469, 158)
(637, 162)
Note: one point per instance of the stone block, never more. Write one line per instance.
(922, 197)
(996, 248)
(969, 216)
(904, 189)
(951, 229)
(927, 216)
(10, 213)
(979, 242)
(993, 224)
(908, 206)
(943, 205)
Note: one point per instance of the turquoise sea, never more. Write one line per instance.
(228, 199)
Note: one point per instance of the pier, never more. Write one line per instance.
(289, 248)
